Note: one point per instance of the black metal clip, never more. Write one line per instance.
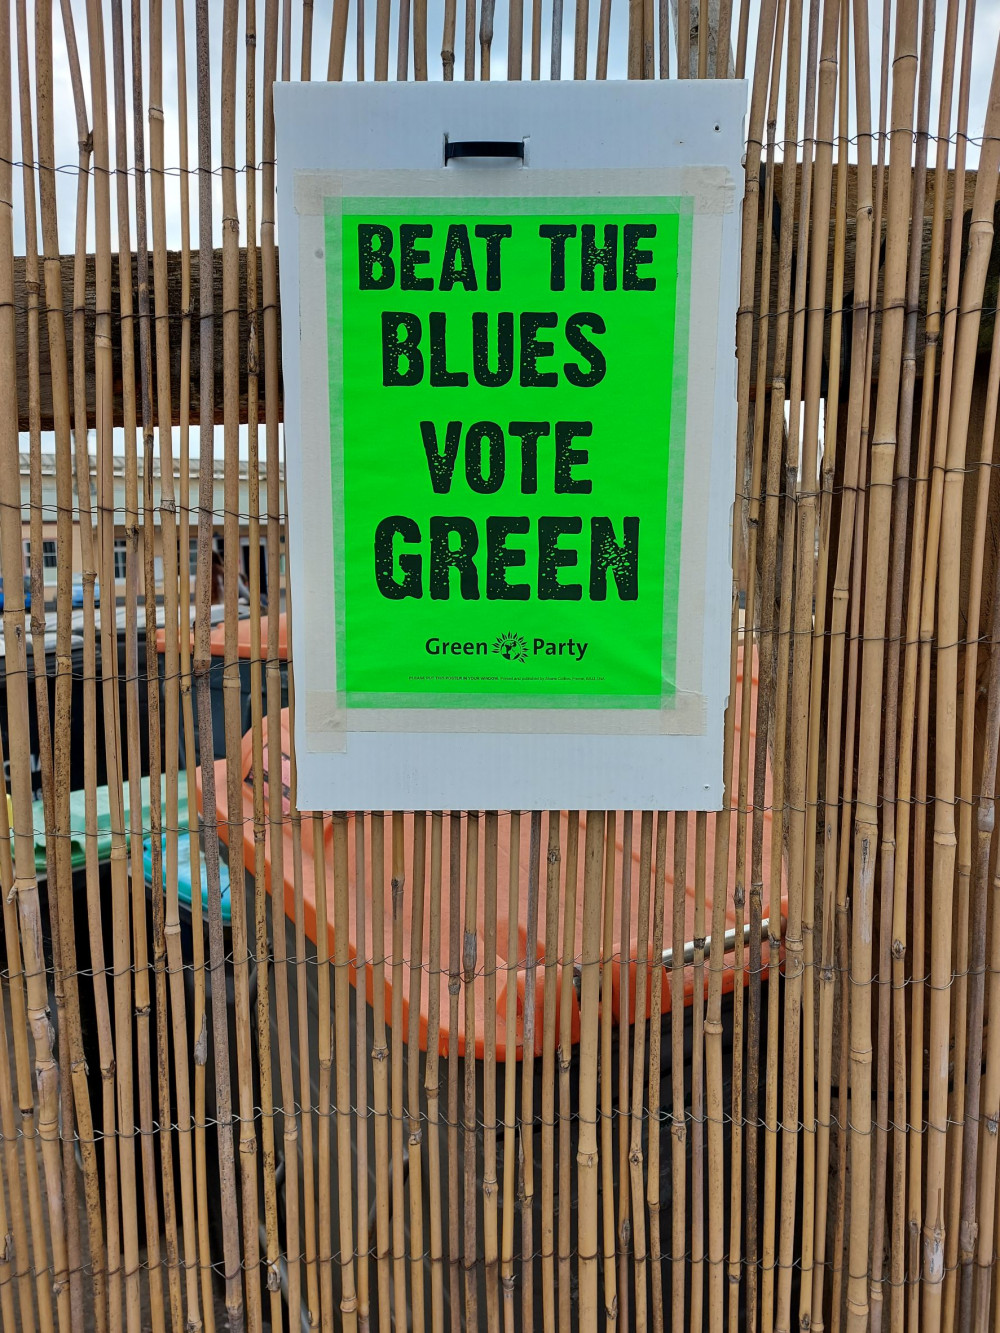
(483, 148)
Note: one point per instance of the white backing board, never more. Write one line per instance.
(377, 151)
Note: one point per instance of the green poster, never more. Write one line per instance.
(507, 381)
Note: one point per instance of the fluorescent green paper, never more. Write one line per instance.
(507, 541)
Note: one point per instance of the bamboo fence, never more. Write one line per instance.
(234, 1111)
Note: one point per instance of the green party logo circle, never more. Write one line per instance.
(511, 647)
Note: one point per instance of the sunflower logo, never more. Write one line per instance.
(511, 647)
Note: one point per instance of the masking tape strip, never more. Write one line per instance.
(329, 723)
(710, 189)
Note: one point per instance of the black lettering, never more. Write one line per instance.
(578, 340)
(532, 348)
(591, 255)
(529, 433)
(499, 558)
(444, 559)
(568, 458)
(621, 558)
(386, 561)
(409, 257)
(371, 256)
(634, 233)
(552, 558)
(491, 434)
(441, 465)
(441, 377)
(396, 349)
(457, 265)
(493, 379)
(493, 233)
(557, 236)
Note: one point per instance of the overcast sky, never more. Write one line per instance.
(987, 20)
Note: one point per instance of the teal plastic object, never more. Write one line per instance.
(184, 875)
(78, 820)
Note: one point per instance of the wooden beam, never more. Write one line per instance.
(175, 313)
(178, 317)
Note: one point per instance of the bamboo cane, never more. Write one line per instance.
(678, 1128)
(825, 943)
(172, 630)
(766, 578)
(470, 953)
(639, 1066)
(655, 1041)
(990, 1108)
(515, 39)
(153, 696)
(65, 1228)
(981, 853)
(63, 1232)
(23, 889)
(832, 914)
(199, 1017)
(625, 960)
(924, 530)
(892, 932)
(551, 976)
(364, 1108)
(231, 676)
(587, 1150)
(527, 1127)
(382, 39)
(510, 1082)
(396, 1071)
(432, 1081)
(70, 1021)
(342, 1015)
(20, 1227)
(744, 331)
(927, 615)
(801, 461)
(202, 666)
(324, 1109)
(848, 786)
(470, 37)
(6, 1277)
(698, 1080)
(819, 104)
(454, 989)
(414, 1162)
(760, 1224)
(959, 1020)
(967, 332)
(140, 1001)
(275, 812)
(261, 948)
(380, 1073)
(607, 1088)
(491, 1200)
(566, 977)
(70, 1049)
(109, 667)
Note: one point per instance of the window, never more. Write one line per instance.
(193, 557)
(50, 561)
(120, 557)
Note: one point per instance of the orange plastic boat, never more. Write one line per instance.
(218, 638)
(508, 979)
